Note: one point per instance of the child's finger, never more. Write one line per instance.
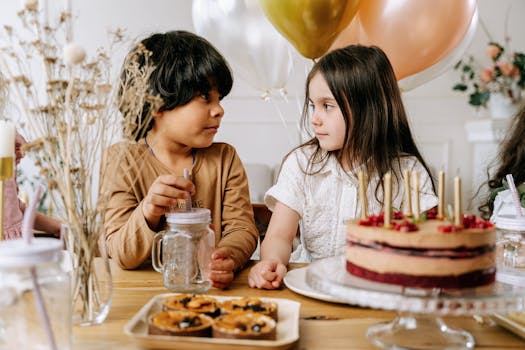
(222, 265)
(221, 253)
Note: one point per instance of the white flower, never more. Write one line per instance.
(73, 54)
(30, 5)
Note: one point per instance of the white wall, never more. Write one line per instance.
(253, 126)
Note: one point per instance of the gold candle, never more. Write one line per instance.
(406, 175)
(362, 194)
(387, 184)
(457, 201)
(441, 195)
(415, 175)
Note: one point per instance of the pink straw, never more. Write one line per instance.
(27, 234)
(515, 196)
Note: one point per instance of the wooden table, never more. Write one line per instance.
(322, 325)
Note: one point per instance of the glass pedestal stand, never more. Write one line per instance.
(418, 324)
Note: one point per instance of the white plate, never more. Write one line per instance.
(287, 329)
(295, 280)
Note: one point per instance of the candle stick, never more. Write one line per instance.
(7, 154)
(406, 175)
(457, 201)
(387, 184)
(441, 195)
(362, 194)
(415, 175)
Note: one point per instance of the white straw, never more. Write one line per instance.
(515, 196)
(188, 200)
(27, 233)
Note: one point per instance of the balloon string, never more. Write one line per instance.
(280, 114)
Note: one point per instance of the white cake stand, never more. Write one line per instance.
(418, 324)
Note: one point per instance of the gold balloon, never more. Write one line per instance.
(310, 25)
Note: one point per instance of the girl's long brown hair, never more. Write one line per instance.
(510, 160)
(364, 85)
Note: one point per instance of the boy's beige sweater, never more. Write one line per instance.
(221, 186)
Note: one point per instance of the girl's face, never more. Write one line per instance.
(325, 115)
(194, 124)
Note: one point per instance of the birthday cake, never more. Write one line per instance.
(429, 254)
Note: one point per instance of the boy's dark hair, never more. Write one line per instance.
(364, 86)
(510, 160)
(185, 65)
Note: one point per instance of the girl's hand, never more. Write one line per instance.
(267, 274)
(221, 268)
(19, 142)
(163, 194)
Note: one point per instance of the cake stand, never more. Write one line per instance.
(418, 324)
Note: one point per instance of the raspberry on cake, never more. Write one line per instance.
(192, 302)
(427, 255)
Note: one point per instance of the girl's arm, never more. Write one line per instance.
(276, 249)
(47, 224)
(277, 243)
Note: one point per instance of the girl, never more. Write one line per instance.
(511, 160)
(13, 207)
(191, 78)
(355, 109)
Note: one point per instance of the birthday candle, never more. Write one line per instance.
(441, 195)
(387, 183)
(415, 175)
(406, 175)
(362, 194)
(457, 201)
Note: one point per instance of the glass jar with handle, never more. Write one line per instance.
(183, 252)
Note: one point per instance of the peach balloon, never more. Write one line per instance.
(415, 34)
(444, 64)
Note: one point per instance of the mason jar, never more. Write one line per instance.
(34, 286)
(183, 252)
(510, 249)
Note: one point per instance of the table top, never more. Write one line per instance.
(322, 325)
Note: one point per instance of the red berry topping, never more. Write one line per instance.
(405, 226)
(449, 228)
(431, 213)
(398, 215)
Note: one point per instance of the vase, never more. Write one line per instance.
(92, 285)
(502, 106)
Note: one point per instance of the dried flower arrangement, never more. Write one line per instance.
(72, 114)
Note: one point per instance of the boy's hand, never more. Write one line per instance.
(267, 274)
(221, 268)
(163, 194)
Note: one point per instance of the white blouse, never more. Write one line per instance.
(328, 198)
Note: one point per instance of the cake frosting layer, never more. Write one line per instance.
(382, 261)
(428, 236)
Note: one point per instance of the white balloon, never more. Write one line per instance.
(438, 68)
(250, 43)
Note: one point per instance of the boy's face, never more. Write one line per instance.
(326, 117)
(194, 124)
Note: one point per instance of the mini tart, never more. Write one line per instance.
(244, 326)
(249, 305)
(202, 304)
(180, 323)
